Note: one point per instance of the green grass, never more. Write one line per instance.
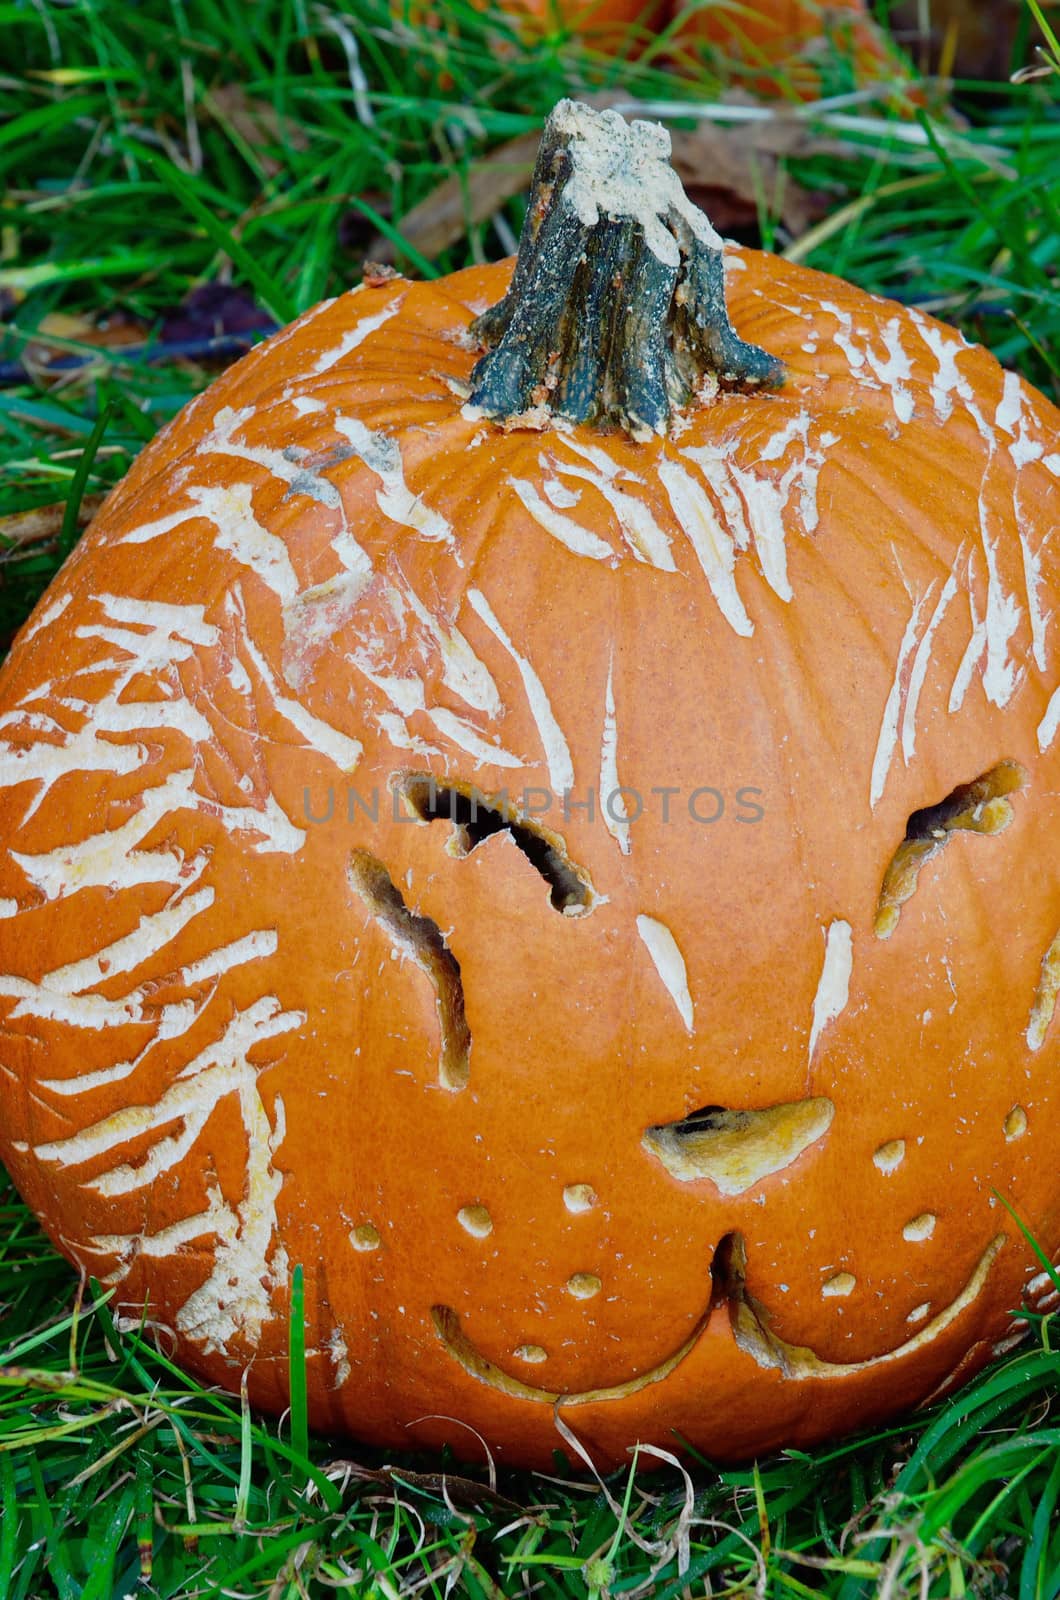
(144, 152)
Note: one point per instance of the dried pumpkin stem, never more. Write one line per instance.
(616, 310)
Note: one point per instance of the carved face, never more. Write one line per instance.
(699, 1084)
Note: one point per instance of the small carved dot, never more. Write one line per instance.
(841, 1284)
(1016, 1123)
(532, 1353)
(584, 1285)
(365, 1237)
(476, 1220)
(920, 1228)
(889, 1157)
(919, 1312)
(579, 1197)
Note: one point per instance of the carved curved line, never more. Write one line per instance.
(749, 1332)
(476, 815)
(753, 1335)
(421, 939)
(463, 1350)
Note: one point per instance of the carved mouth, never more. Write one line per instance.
(750, 1330)
(464, 1351)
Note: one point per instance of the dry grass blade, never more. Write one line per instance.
(20, 528)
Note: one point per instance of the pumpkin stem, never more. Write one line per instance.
(616, 310)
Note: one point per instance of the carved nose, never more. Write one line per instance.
(734, 1150)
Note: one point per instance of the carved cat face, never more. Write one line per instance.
(690, 1065)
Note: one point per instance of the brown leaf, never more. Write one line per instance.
(458, 203)
(727, 168)
(59, 329)
(256, 122)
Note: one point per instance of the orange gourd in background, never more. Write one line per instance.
(793, 38)
(601, 24)
(559, 842)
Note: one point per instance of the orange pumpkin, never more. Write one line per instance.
(605, 24)
(793, 39)
(562, 844)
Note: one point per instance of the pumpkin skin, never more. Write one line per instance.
(223, 1050)
(784, 34)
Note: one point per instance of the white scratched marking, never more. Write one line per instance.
(1010, 406)
(1003, 614)
(462, 671)
(1050, 722)
(920, 665)
(469, 739)
(713, 546)
(557, 751)
(251, 947)
(247, 1263)
(892, 373)
(615, 819)
(713, 463)
(669, 963)
(111, 859)
(312, 620)
(1032, 580)
(578, 540)
(765, 503)
(237, 532)
(290, 465)
(557, 494)
(888, 738)
(642, 534)
(49, 614)
(945, 345)
(1024, 450)
(833, 988)
(382, 456)
(344, 751)
(408, 695)
(754, 504)
(355, 336)
(59, 996)
(396, 729)
(895, 371)
(974, 650)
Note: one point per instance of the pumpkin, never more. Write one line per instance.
(793, 39)
(603, 24)
(537, 802)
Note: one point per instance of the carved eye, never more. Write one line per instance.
(421, 939)
(981, 806)
(476, 817)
